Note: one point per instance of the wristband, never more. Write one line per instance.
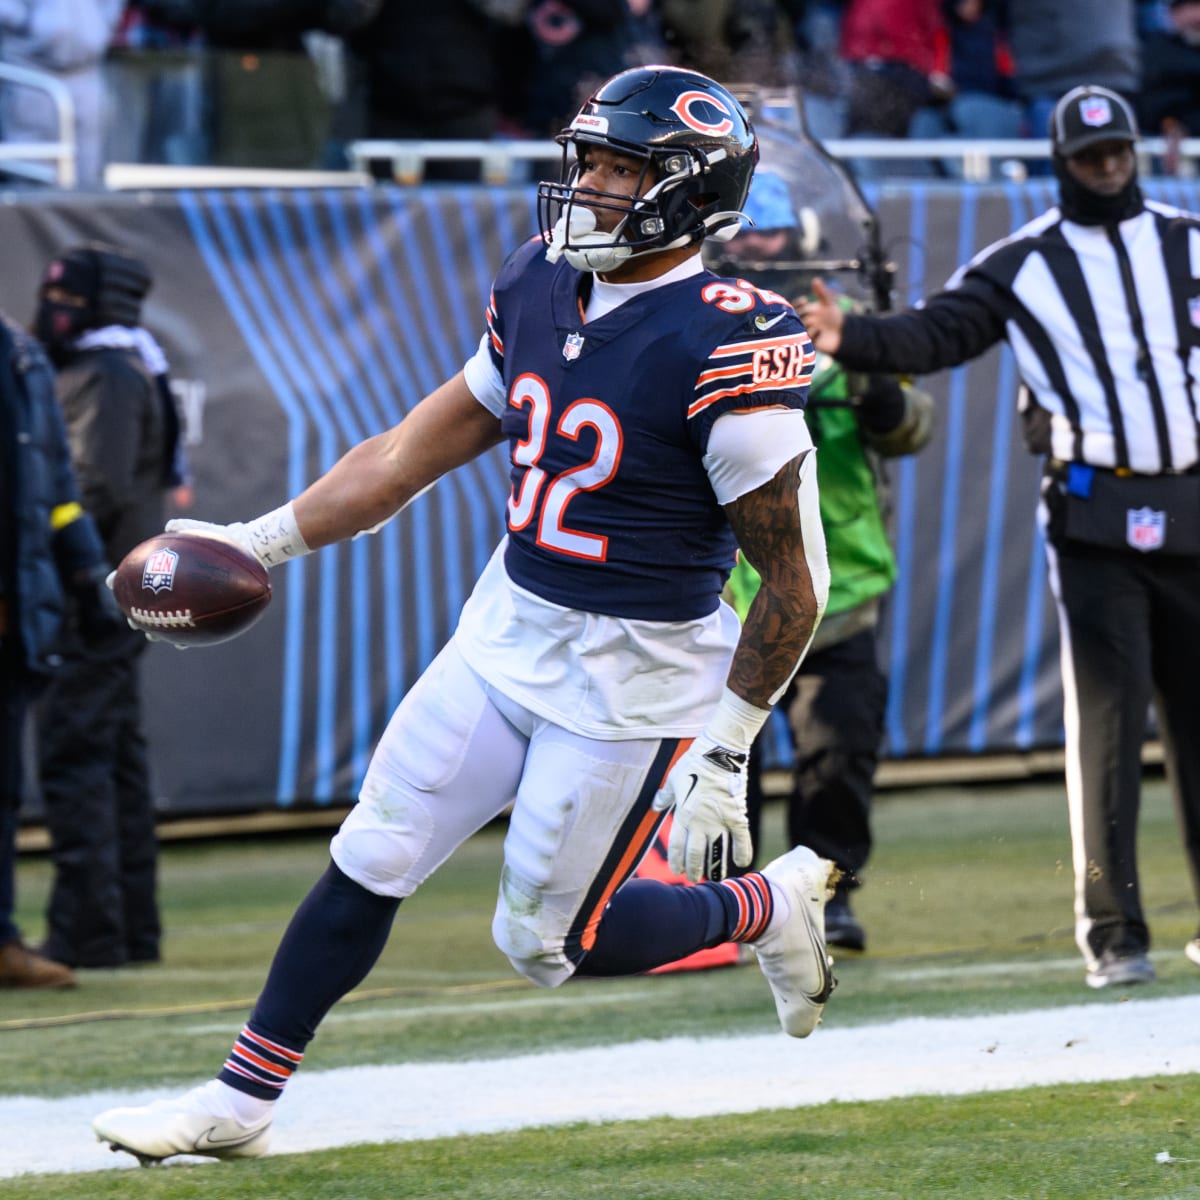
(735, 722)
(276, 537)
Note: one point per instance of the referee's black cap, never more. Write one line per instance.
(1087, 115)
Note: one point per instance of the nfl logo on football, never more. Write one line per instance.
(159, 572)
(1145, 528)
(572, 346)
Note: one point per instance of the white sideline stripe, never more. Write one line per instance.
(677, 1077)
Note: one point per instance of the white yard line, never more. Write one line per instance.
(679, 1077)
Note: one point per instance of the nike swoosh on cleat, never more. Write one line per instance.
(206, 1139)
(828, 982)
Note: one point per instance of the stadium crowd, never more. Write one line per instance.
(289, 83)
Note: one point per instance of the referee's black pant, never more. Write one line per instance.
(1130, 633)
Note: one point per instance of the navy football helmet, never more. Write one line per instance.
(698, 151)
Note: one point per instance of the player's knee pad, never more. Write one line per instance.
(530, 934)
(382, 842)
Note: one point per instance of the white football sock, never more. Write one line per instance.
(220, 1100)
(781, 910)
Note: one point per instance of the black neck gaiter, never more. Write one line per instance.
(56, 326)
(1085, 207)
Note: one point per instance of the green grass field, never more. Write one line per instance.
(968, 910)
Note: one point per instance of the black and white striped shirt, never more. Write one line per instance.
(1104, 323)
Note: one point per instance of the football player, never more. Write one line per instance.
(653, 413)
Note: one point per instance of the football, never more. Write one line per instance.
(191, 589)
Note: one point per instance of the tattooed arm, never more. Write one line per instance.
(778, 529)
(778, 526)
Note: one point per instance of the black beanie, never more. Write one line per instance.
(113, 281)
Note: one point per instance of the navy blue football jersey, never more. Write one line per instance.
(611, 510)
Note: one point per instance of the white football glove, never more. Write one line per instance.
(272, 538)
(236, 532)
(707, 786)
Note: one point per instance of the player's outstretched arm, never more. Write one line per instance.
(378, 477)
(372, 482)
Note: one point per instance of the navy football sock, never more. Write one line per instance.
(333, 941)
(649, 923)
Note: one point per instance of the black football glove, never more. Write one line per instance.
(102, 625)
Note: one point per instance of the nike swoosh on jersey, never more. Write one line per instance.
(761, 322)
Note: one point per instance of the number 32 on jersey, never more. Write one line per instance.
(546, 497)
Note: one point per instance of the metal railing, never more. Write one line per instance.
(51, 163)
(508, 161)
(133, 177)
(520, 161)
(500, 161)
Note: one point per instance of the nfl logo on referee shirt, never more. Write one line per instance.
(572, 346)
(1145, 528)
(158, 574)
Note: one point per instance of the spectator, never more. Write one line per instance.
(67, 39)
(430, 71)
(1059, 46)
(49, 549)
(263, 105)
(258, 99)
(1170, 92)
(123, 433)
(1093, 297)
(891, 48)
(978, 95)
(747, 41)
(155, 77)
(577, 44)
(823, 73)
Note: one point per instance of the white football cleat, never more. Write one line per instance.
(793, 956)
(164, 1128)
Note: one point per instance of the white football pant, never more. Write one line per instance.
(454, 755)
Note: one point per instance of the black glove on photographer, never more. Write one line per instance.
(102, 625)
(881, 406)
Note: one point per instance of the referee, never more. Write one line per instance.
(1099, 299)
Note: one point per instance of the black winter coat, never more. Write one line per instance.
(50, 542)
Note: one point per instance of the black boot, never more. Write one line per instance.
(842, 927)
